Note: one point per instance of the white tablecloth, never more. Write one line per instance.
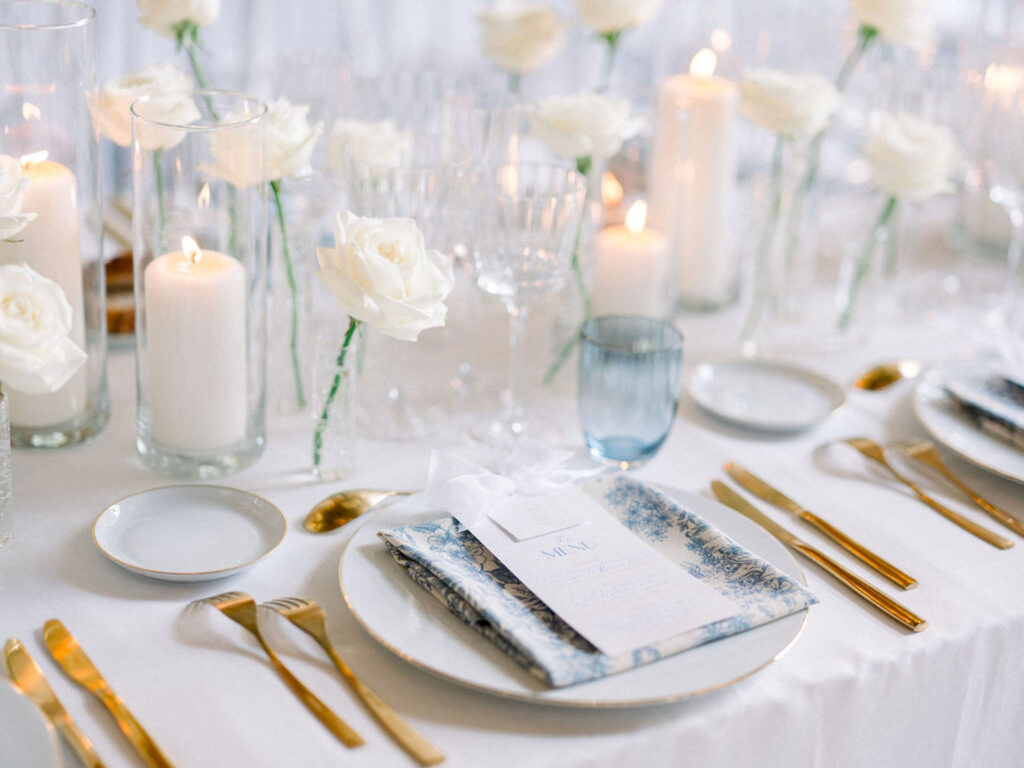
(855, 690)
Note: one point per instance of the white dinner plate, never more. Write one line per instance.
(189, 532)
(763, 395)
(944, 420)
(411, 623)
(26, 737)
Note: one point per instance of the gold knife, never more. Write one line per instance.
(67, 652)
(878, 599)
(762, 490)
(27, 675)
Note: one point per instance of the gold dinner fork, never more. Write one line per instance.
(241, 608)
(309, 617)
(926, 453)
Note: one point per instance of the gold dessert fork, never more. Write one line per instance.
(241, 608)
(875, 452)
(926, 453)
(309, 617)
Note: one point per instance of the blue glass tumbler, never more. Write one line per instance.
(631, 371)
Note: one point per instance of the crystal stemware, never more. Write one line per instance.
(526, 218)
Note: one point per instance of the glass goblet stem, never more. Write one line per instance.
(517, 315)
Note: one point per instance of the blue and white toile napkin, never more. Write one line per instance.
(994, 403)
(454, 567)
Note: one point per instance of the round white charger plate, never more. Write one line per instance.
(408, 621)
(943, 420)
(26, 737)
(764, 395)
(189, 532)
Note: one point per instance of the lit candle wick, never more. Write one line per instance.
(704, 63)
(636, 217)
(191, 248)
(33, 158)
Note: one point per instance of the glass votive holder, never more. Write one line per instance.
(630, 377)
(200, 247)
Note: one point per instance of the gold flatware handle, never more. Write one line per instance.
(880, 600)
(858, 550)
(79, 742)
(415, 743)
(134, 731)
(342, 730)
(968, 525)
(995, 512)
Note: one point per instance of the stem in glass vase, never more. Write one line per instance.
(300, 396)
(332, 393)
(864, 262)
(159, 171)
(513, 419)
(612, 39)
(514, 82)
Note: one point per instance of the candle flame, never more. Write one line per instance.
(203, 201)
(636, 217)
(33, 158)
(30, 111)
(704, 63)
(191, 248)
(509, 180)
(721, 40)
(1003, 79)
(611, 190)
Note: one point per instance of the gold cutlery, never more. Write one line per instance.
(880, 600)
(926, 453)
(241, 608)
(764, 491)
(309, 617)
(875, 452)
(886, 374)
(344, 507)
(67, 652)
(27, 675)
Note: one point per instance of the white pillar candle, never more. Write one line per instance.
(631, 268)
(50, 246)
(195, 349)
(693, 174)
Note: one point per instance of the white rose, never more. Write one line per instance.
(381, 273)
(378, 144)
(520, 37)
(162, 16)
(910, 157)
(111, 107)
(36, 354)
(12, 190)
(584, 125)
(289, 140)
(902, 22)
(789, 104)
(607, 16)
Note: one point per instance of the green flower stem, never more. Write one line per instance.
(515, 80)
(762, 267)
(325, 414)
(864, 262)
(294, 288)
(585, 166)
(612, 39)
(186, 35)
(160, 212)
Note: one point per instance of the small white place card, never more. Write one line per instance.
(601, 579)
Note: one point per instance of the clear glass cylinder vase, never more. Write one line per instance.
(337, 359)
(47, 76)
(200, 243)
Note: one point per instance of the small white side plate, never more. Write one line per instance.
(767, 396)
(26, 737)
(189, 532)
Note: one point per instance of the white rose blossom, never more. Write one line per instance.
(377, 143)
(610, 16)
(111, 106)
(520, 37)
(910, 158)
(166, 16)
(794, 105)
(901, 22)
(36, 353)
(12, 191)
(381, 273)
(583, 125)
(289, 140)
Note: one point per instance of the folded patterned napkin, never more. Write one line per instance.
(994, 403)
(454, 567)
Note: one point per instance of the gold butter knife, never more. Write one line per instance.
(27, 675)
(67, 652)
(878, 599)
(764, 491)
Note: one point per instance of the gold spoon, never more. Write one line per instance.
(886, 374)
(344, 507)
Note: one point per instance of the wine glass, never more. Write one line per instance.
(526, 217)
